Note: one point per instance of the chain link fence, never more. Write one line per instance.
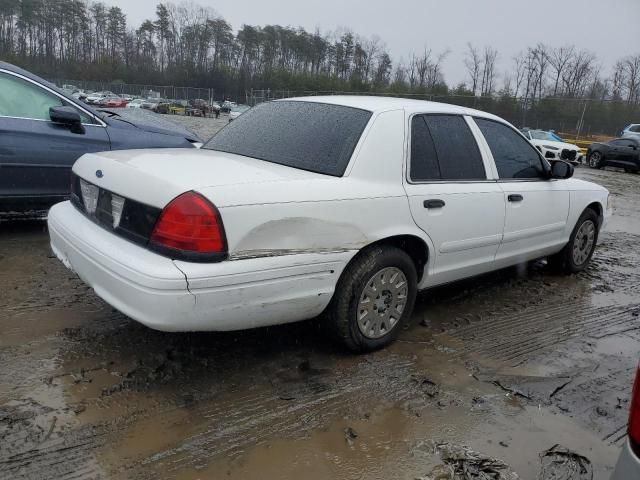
(139, 90)
(576, 118)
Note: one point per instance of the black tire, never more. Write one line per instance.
(341, 314)
(565, 260)
(595, 160)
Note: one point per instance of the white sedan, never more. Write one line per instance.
(337, 206)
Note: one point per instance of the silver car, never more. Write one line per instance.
(631, 131)
(628, 466)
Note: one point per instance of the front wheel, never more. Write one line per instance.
(595, 160)
(373, 299)
(576, 254)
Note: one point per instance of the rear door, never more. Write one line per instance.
(624, 152)
(36, 154)
(537, 207)
(451, 197)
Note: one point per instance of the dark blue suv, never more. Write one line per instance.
(43, 131)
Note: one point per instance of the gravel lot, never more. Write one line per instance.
(203, 127)
(508, 364)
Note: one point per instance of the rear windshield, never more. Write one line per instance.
(310, 136)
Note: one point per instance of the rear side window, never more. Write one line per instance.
(515, 157)
(306, 135)
(635, 128)
(443, 148)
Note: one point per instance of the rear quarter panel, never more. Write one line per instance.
(328, 215)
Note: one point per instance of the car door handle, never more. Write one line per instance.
(434, 203)
(515, 197)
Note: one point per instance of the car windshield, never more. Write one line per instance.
(542, 135)
(322, 141)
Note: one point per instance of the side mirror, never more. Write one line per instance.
(67, 116)
(560, 169)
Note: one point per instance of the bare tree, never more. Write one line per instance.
(631, 68)
(489, 58)
(519, 64)
(559, 58)
(473, 64)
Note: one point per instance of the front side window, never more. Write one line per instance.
(22, 99)
(312, 136)
(443, 148)
(514, 156)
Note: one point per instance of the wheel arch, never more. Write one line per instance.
(412, 245)
(598, 209)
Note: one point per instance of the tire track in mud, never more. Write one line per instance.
(515, 336)
(228, 424)
(255, 419)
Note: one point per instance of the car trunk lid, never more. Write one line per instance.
(155, 177)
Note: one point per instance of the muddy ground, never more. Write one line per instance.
(509, 365)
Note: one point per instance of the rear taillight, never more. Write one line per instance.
(634, 416)
(190, 228)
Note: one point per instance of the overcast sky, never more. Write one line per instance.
(609, 28)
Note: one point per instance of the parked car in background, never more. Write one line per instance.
(342, 206)
(150, 103)
(112, 97)
(199, 107)
(552, 146)
(43, 131)
(628, 466)
(80, 95)
(621, 153)
(631, 131)
(157, 105)
(237, 111)
(115, 102)
(97, 97)
(227, 106)
(178, 107)
(135, 103)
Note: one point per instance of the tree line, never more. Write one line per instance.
(190, 45)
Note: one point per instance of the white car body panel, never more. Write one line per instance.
(291, 233)
(628, 465)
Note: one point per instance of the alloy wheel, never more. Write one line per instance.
(382, 302)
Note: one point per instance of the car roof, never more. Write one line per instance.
(382, 104)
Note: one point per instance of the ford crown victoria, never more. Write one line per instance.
(334, 207)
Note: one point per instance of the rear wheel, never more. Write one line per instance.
(373, 299)
(576, 254)
(595, 160)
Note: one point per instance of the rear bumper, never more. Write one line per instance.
(628, 465)
(178, 296)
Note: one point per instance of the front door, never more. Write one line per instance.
(452, 199)
(36, 154)
(537, 207)
(624, 153)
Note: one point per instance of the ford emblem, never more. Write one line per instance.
(99, 174)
